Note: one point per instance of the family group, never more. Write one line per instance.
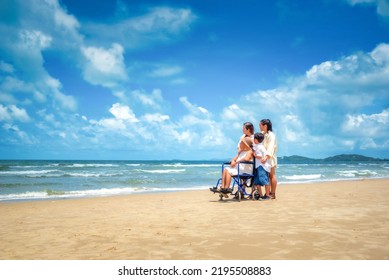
(260, 147)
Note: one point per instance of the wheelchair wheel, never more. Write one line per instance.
(256, 195)
(240, 195)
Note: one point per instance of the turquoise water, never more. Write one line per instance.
(36, 180)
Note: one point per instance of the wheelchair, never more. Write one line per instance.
(240, 183)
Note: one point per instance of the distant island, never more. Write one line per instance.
(337, 158)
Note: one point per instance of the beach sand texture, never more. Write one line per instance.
(336, 220)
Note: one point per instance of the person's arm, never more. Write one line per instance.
(234, 160)
(248, 157)
(265, 158)
(258, 156)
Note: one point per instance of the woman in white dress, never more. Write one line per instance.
(270, 143)
(245, 153)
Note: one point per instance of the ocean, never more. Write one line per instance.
(53, 179)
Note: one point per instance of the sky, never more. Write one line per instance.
(131, 80)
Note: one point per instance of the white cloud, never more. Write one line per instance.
(371, 125)
(183, 137)
(194, 109)
(155, 117)
(123, 113)
(153, 100)
(42, 26)
(233, 116)
(381, 54)
(232, 112)
(13, 113)
(35, 39)
(122, 123)
(163, 18)
(65, 101)
(52, 18)
(158, 24)
(62, 18)
(111, 124)
(327, 109)
(21, 135)
(166, 71)
(104, 66)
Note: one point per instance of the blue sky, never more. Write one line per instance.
(177, 79)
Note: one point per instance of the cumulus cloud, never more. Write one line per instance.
(335, 102)
(35, 39)
(155, 117)
(371, 125)
(194, 109)
(42, 27)
(104, 66)
(123, 113)
(326, 105)
(159, 131)
(153, 100)
(13, 113)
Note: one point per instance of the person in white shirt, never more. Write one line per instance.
(262, 168)
(270, 143)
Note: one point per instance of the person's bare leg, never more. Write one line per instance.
(267, 190)
(273, 182)
(259, 188)
(223, 178)
(228, 180)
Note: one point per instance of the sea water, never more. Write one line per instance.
(37, 180)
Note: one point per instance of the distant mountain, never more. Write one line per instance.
(351, 157)
(337, 158)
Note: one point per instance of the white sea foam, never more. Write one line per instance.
(49, 194)
(56, 173)
(28, 172)
(303, 177)
(82, 165)
(190, 165)
(356, 173)
(86, 175)
(164, 171)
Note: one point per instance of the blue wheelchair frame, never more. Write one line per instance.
(242, 180)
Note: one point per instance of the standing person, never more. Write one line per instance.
(270, 143)
(263, 169)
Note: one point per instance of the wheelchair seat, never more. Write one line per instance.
(241, 180)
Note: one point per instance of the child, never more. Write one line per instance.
(262, 167)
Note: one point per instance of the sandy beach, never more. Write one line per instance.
(336, 220)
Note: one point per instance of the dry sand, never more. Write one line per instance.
(337, 220)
